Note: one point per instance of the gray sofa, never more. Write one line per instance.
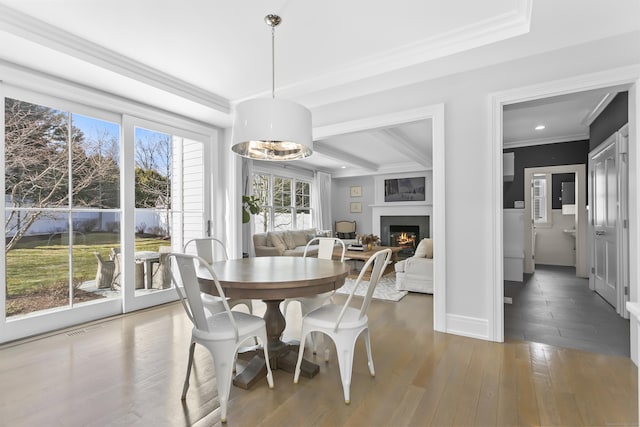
(284, 243)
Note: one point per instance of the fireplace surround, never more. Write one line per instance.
(411, 228)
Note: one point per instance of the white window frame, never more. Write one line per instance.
(270, 208)
(84, 101)
(547, 221)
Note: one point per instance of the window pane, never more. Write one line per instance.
(37, 272)
(261, 188)
(283, 219)
(95, 238)
(170, 202)
(539, 199)
(303, 219)
(303, 195)
(281, 192)
(262, 221)
(95, 163)
(36, 155)
(153, 169)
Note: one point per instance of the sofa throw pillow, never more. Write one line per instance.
(289, 240)
(299, 237)
(424, 249)
(277, 241)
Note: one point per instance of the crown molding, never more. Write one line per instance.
(507, 25)
(545, 141)
(37, 31)
(604, 102)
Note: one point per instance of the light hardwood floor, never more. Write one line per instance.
(128, 371)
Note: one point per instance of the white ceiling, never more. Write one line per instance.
(203, 56)
(565, 118)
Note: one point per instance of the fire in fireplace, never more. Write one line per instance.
(404, 236)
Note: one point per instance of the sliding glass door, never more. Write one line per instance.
(94, 201)
(169, 171)
(62, 209)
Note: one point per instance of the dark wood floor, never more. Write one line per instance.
(128, 371)
(555, 307)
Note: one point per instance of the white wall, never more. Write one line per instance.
(553, 245)
(341, 200)
(468, 151)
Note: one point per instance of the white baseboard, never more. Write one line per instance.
(471, 327)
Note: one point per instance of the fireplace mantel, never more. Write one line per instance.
(399, 209)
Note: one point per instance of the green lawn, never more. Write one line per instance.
(38, 264)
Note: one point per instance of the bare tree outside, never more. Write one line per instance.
(261, 192)
(153, 172)
(40, 145)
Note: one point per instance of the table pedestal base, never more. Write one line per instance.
(281, 355)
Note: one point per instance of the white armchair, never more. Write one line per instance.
(415, 274)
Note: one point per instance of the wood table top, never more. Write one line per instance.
(276, 277)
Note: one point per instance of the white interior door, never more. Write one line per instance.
(604, 167)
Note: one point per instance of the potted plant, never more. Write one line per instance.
(250, 206)
(369, 240)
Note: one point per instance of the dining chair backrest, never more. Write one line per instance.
(326, 246)
(378, 262)
(210, 249)
(186, 282)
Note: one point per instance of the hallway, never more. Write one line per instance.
(554, 307)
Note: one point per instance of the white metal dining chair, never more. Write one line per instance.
(344, 324)
(221, 333)
(211, 249)
(326, 246)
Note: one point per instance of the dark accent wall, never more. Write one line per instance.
(565, 153)
(610, 120)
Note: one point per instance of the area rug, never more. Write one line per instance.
(386, 289)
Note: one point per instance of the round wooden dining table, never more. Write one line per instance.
(273, 279)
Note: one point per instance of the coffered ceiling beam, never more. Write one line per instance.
(405, 146)
(334, 153)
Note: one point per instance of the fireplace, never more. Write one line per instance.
(404, 236)
(404, 231)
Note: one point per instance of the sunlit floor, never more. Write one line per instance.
(129, 371)
(555, 307)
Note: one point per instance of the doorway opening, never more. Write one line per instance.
(540, 93)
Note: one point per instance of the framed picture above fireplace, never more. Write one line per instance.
(404, 189)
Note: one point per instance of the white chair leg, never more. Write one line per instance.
(263, 340)
(367, 343)
(185, 387)
(223, 358)
(345, 362)
(296, 374)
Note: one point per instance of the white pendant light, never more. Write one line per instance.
(270, 128)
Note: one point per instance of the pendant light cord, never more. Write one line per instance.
(273, 62)
(273, 20)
